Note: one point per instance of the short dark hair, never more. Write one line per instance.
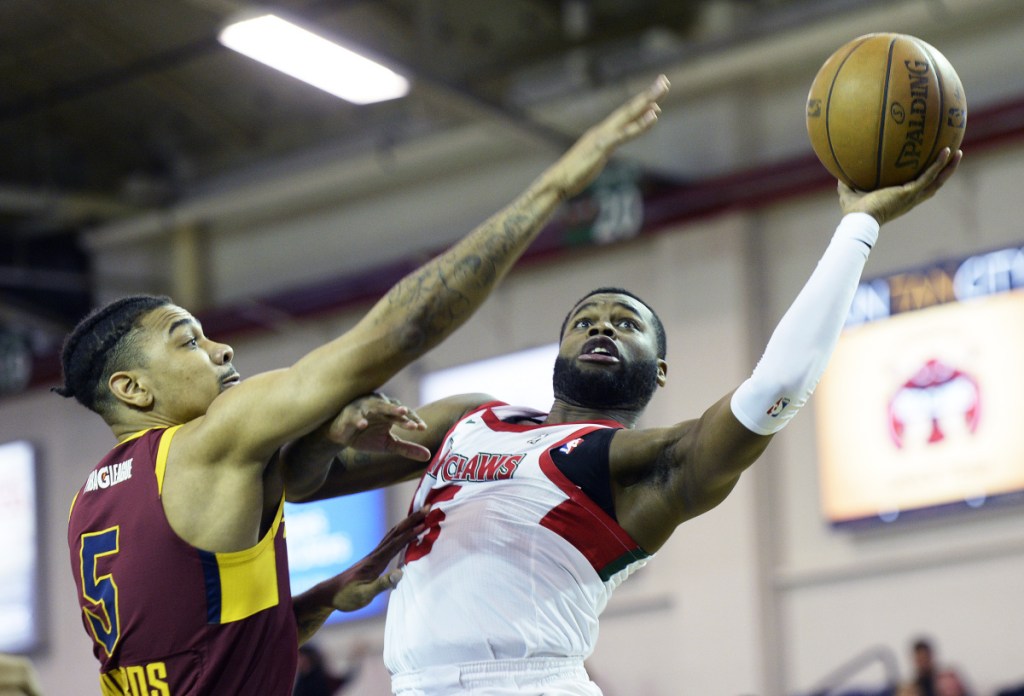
(922, 644)
(101, 344)
(659, 328)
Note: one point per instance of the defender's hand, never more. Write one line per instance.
(357, 586)
(366, 424)
(585, 160)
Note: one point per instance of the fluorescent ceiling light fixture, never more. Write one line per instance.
(313, 59)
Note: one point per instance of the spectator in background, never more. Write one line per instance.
(18, 677)
(929, 678)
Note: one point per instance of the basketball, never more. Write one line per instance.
(881, 109)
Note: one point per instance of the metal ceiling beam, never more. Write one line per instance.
(21, 278)
(15, 313)
(140, 69)
(54, 211)
(713, 66)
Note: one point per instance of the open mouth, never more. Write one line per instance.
(600, 349)
(231, 380)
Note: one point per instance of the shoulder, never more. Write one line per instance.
(452, 408)
(638, 452)
(442, 415)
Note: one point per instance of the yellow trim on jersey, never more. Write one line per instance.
(161, 457)
(72, 508)
(134, 436)
(248, 578)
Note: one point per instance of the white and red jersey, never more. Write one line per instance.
(517, 562)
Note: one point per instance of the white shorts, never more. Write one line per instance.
(538, 676)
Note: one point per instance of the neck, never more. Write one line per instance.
(126, 427)
(565, 412)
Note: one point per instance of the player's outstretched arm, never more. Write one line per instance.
(426, 306)
(703, 458)
(422, 309)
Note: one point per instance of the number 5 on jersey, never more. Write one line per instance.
(421, 547)
(100, 590)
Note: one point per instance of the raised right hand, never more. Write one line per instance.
(889, 203)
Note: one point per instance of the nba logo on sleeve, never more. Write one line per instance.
(568, 447)
(778, 407)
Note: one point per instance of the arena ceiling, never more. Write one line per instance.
(114, 106)
(110, 108)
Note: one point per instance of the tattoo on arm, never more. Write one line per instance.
(448, 290)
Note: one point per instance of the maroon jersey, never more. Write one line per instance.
(166, 618)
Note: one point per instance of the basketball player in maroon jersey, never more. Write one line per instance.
(177, 536)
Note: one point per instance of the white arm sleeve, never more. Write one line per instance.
(802, 343)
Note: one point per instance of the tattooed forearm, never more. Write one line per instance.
(431, 303)
(443, 294)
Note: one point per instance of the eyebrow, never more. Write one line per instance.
(178, 323)
(617, 303)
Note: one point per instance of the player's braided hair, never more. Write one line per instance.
(659, 328)
(101, 344)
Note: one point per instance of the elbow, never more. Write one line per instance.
(302, 490)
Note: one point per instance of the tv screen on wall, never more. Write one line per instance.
(522, 378)
(917, 411)
(19, 563)
(328, 536)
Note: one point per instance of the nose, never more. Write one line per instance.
(601, 328)
(222, 353)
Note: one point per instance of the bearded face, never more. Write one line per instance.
(631, 386)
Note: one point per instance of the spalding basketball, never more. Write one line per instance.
(881, 109)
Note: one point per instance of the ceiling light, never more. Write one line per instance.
(313, 59)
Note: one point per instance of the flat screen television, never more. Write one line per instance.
(19, 563)
(918, 410)
(328, 536)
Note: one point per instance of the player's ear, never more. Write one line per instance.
(662, 372)
(129, 389)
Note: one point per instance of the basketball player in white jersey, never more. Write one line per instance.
(535, 517)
